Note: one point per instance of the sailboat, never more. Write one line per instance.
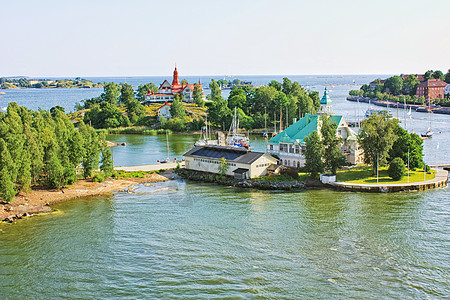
(167, 160)
(428, 133)
(205, 138)
(234, 138)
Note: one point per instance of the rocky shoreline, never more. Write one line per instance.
(39, 200)
(246, 183)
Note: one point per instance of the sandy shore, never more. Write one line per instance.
(40, 200)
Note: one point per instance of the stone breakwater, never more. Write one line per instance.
(243, 183)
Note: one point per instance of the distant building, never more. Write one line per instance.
(164, 111)
(289, 145)
(167, 91)
(373, 84)
(431, 89)
(242, 163)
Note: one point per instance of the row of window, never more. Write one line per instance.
(262, 165)
(212, 161)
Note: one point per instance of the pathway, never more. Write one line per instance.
(440, 180)
(151, 167)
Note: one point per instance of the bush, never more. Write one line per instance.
(397, 168)
(292, 172)
(99, 177)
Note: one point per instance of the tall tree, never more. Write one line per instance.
(332, 155)
(198, 95)
(107, 165)
(376, 137)
(110, 93)
(410, 84)
(394, 84)
(447, 77)
(126, 94)
(216, 93)
(313, 154)
(177, 108)
(7, 191)
(407, 142)
(438, 75)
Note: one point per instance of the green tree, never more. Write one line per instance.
(223, 167)
(313, 154)
(438, 75)
(410, 84)
(237, 98)
(92, 149)
(219, 112)
(126, 94)
(135, 110)
(407, 141)
(275, 84)
(184, 81)
(177, 108)
(7, 191)
(428, 75)
(216, 93)
(56, 108)
(198, 95)
(447, 76)
(110, 93)
(397, 168)
(107, 165)
(394, 84)
(376, 137)
(286, 87)
(332, 155)
(143, 90)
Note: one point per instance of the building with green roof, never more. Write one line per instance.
(289, 145)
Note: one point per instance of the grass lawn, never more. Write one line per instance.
(364, 175)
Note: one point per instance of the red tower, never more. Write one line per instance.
(175, 80)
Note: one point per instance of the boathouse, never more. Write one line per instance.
(242, 163)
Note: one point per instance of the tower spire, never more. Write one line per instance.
(175, 80)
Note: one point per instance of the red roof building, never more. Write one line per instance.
(167, 91)
(431, 89)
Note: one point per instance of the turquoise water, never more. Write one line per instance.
(178, 240)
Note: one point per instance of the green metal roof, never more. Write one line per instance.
(300, 129)
(326, 98)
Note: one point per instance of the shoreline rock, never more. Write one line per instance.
(246, 183)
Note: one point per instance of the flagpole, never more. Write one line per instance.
(408, 165)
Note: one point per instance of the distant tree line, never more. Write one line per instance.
(6, 83)
(397, 89)
(44, 148)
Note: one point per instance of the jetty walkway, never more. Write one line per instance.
(440, 180)
(152, 167)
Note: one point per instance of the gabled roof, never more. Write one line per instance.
(231, 154)
(300, 129)
(433, 83)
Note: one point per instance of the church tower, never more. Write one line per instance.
(175, 80)
(326, 107)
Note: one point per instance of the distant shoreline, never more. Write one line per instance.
(391, 104)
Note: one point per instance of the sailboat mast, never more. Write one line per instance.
(167, 139)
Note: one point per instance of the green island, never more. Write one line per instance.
(404, 89)
(16, 83)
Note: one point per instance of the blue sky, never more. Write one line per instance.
(139, 38)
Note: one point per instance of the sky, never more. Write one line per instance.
(205, 37)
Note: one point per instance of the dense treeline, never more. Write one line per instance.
(272, 103)
(6, 83)
(43, 148)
